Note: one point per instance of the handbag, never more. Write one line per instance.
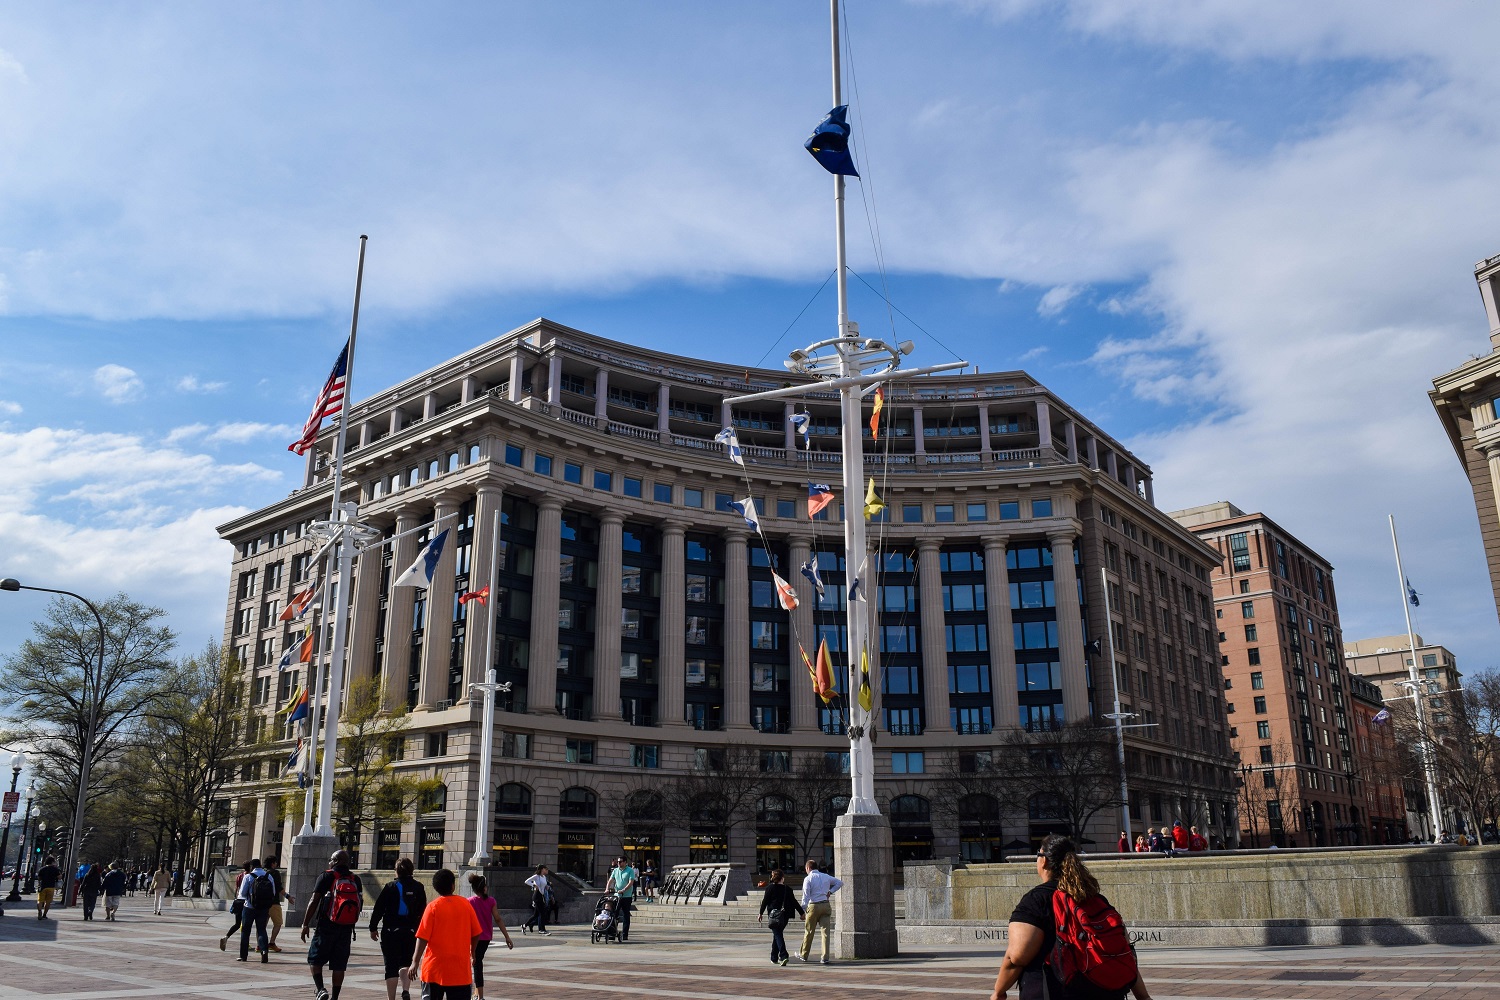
(778, 919)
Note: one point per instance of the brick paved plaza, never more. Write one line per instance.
(177, 955)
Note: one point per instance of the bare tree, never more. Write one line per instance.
(718, 795)
(975, 793)
(1071, 770)
(813, 783)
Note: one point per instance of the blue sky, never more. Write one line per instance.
(1239, 237)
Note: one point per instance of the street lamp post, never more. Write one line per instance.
(86, 754)
(41, 839)
(26, 815)
(17, 764)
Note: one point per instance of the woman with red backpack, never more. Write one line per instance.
(1065, 942)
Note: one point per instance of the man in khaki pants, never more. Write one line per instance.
(816, 888)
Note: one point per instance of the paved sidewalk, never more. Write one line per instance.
(177, 955)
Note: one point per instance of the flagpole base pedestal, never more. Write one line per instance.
(864, 910)
(304, 866)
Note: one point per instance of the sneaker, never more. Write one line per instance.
(323, 995)
(223, 943)
(274, 946)
(803, 957)
(406, 995)
(264, 957)
(782, 962)
(825, 960)
(546, 933)
(241, 960)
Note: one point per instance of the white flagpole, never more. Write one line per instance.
(315, 696)
(481, 854)
(346, 548)
(1429, 764)
(1117, 715)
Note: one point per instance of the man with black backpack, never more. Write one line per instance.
(1065, 942)
(256, 897)
(331, 916)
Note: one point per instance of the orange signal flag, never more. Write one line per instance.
(875, 417)
(306, 652)
(812, 671)
(481, 595)
(823, 682)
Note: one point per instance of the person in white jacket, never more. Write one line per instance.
(540, 902)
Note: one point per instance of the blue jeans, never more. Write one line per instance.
(257, 919)
(778, 944)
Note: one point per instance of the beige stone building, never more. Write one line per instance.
(637, 620)
(1467, 401)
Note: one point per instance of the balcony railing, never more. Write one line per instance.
(834, 729)
(905, 729)
(974, 728)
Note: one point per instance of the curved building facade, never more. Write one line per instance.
(637, 620)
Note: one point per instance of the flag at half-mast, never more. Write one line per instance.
(875, 417)
(810, 570)
(819, 495)
(297, 706)
(731, 443)
(329, 401)
(801, 423)
(784, 592)
(866, 696)
(823, 678)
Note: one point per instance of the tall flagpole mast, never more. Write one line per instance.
(481, 854)
(315, 700)
(342, 520)
(1429, 764)
(1117, 716)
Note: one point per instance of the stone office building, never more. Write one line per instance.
(637, 621)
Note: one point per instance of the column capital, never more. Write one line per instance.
(489, 489)
(992, 542)
(1057, 535)
(549, 503)
(737, 535)
(797, 538)
(674, 528)
(611, 517)
(928, 544)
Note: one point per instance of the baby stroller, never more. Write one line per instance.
(605, 926)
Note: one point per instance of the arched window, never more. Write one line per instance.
(774, 810)
(911, 809)
(578, 803)
(513, 800)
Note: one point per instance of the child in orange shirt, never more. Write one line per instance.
(444, 959)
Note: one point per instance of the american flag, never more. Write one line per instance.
(330, 400)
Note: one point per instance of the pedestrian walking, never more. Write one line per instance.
(282, 896)
(817, 886)
(1048, 929)
(540, 904)
(257, 894)
(93, 884)
(331, 916)
(445, 944)
(623, 879)
(393, 922)
(161, 884)
(779, 903)
(237, 904)
(47, 879)
(648, 879)
(114, 888)
(488, 914)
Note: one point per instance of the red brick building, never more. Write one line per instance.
(1286, 688)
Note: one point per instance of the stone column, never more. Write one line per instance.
(398, 626)
(1044, 426)
(395, 424)
(517, 376)
(541, 675)
(437, 638)
(481, 616)
(1492, 457)
(607, 626)
(1093, 452)
(789, 441)
(1150, 493)
(467, 389)
(1002, 638)
(804, 711)
(366, 432)
(985, 447)
(1112, 464)
(736, 631)
(1070, 440)
(663, 404)
(1069, 627)
(919, 437)
(554, 379)
(601, 395)
(1132, 478)
(671, 661)
(366, 610)
(265, 824)
(934, 635)
(429, 406)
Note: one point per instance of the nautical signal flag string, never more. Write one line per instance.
(875, 416)
(873, 504)
(481, 595)
(866, 696)
(300, 603)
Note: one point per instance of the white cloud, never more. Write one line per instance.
(1056, 299)
(117, 383)
(1034, 353)
(10, 407)
(245, 431)
(11, 66)
(99, 513)
(191, 383)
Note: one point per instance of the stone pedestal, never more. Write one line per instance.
(306, 863)
(864, 910)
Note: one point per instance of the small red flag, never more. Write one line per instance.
(482, 596)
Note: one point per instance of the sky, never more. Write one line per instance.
(1240, 237)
